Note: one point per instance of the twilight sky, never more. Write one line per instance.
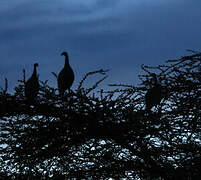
(119, 35)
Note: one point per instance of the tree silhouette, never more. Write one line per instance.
(102, 134)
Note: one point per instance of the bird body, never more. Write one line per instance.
(154, 95)
(32, 85)
(66, 76)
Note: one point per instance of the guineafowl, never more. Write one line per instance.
(66, 76)
(32, 85)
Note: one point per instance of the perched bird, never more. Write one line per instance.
(32, 85)
(66, 76)
(154, 95)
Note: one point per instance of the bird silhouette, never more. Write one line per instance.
(154, 94)
(66, 76)
(32, 86)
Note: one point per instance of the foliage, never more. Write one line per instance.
(91, 134)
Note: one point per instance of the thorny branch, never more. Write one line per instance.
(107, 134)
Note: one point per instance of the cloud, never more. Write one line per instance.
(110, 34)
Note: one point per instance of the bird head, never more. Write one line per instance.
(64, 54)
(36, 65)
(153, 75)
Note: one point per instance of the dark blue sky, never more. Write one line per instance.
(119, 35)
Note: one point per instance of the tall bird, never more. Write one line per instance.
(32, 85)
(66, 76)
(154, 94)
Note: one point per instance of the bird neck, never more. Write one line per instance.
(155, 81)
(66, 62)
(34, 71)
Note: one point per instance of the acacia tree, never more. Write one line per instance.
(91, 134)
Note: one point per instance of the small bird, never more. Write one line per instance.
(66, 76)
(154, 95)
(32, 86)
